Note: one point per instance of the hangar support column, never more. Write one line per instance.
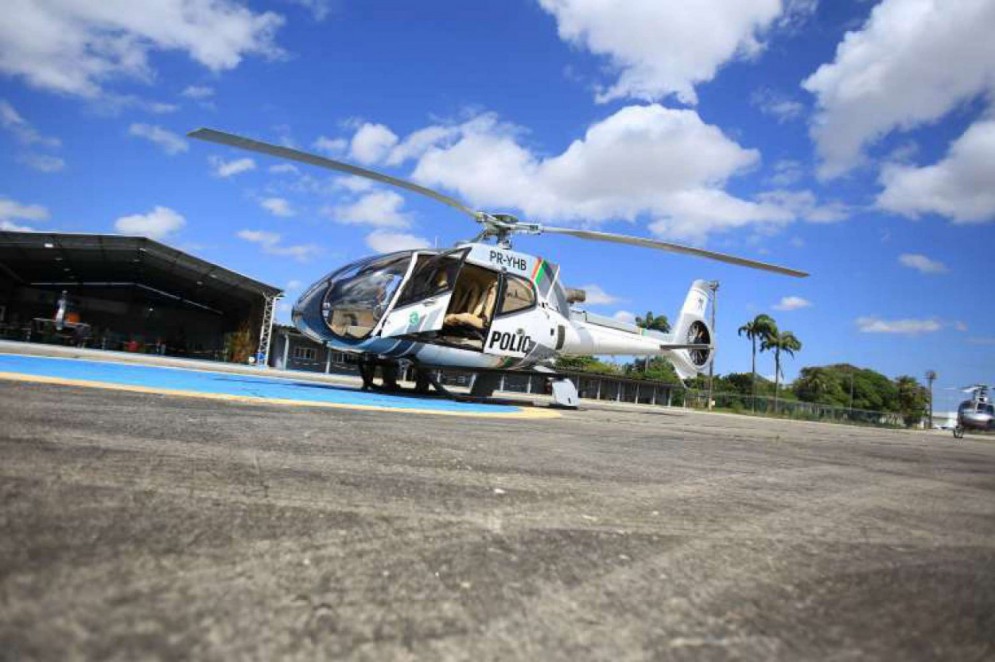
(266, 330)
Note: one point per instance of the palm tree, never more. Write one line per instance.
(760, 327)
(653, 322)
(780, 341)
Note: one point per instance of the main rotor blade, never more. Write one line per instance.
(241, 142)
(673, 248)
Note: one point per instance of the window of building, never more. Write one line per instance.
(518, 295)
(305, 353)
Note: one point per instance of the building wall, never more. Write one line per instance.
(292, 351)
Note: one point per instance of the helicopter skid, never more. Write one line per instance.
(961, 430)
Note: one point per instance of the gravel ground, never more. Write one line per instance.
(154, 527)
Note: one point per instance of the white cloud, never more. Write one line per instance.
(792, 303)
(11, 226)
(224, 168)
(353, 184)
(662, 164)
(380, 209)
(284, 168)
(261, 237)
(331, 146)
(910, 64)
(662, 47)
(419, 142)
(804, 205)
(157, 224)
(277, 206)
(908, 327)
(170, 142)
(786, 173)
(320, 9)
(922, 263)
(777, 104)
(387, 242)
(77, 47)
(112, 103)
(596, 295)
(961, 186)
(12, 211)
(625, 316)
(372, 143)
(640, 160)
(22, 130)
(796, 14)
(42, 162)
(199, 92)
(272, 244)
(28, 136)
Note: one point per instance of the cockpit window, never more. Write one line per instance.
(432, 275)
(518, 295)
(358, 296)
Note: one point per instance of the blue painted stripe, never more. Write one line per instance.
(219, 383)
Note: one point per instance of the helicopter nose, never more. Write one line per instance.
(307, 312)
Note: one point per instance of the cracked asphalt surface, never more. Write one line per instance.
(155, 527)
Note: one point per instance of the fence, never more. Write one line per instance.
(621, 388)
(796, 409)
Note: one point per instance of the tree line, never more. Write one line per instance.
(839, 385)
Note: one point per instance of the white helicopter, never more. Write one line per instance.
(480, 306)
(976, 414)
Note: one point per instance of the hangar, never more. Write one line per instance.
(129, 294)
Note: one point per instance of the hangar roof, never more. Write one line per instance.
(45, 259)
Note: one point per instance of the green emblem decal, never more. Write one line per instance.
(413, 318)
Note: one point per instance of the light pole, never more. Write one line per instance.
(930, 378)
(714, 287)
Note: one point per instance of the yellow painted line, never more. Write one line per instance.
(523, 413)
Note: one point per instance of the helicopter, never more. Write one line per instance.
(976, 414)
(481, 305)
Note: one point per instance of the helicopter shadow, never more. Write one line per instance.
(402, 394)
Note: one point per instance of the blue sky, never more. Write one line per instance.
(854, 140)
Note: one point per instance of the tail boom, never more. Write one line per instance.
(689, 347)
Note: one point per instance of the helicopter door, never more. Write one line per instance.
(423, 301)
(518, 325)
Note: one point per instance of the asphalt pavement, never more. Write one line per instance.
(141, 526)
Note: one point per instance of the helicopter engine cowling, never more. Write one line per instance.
(575, 295)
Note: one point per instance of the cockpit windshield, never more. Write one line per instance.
(358, 296)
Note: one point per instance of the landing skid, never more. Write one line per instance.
(962, 430)
(485, 382)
